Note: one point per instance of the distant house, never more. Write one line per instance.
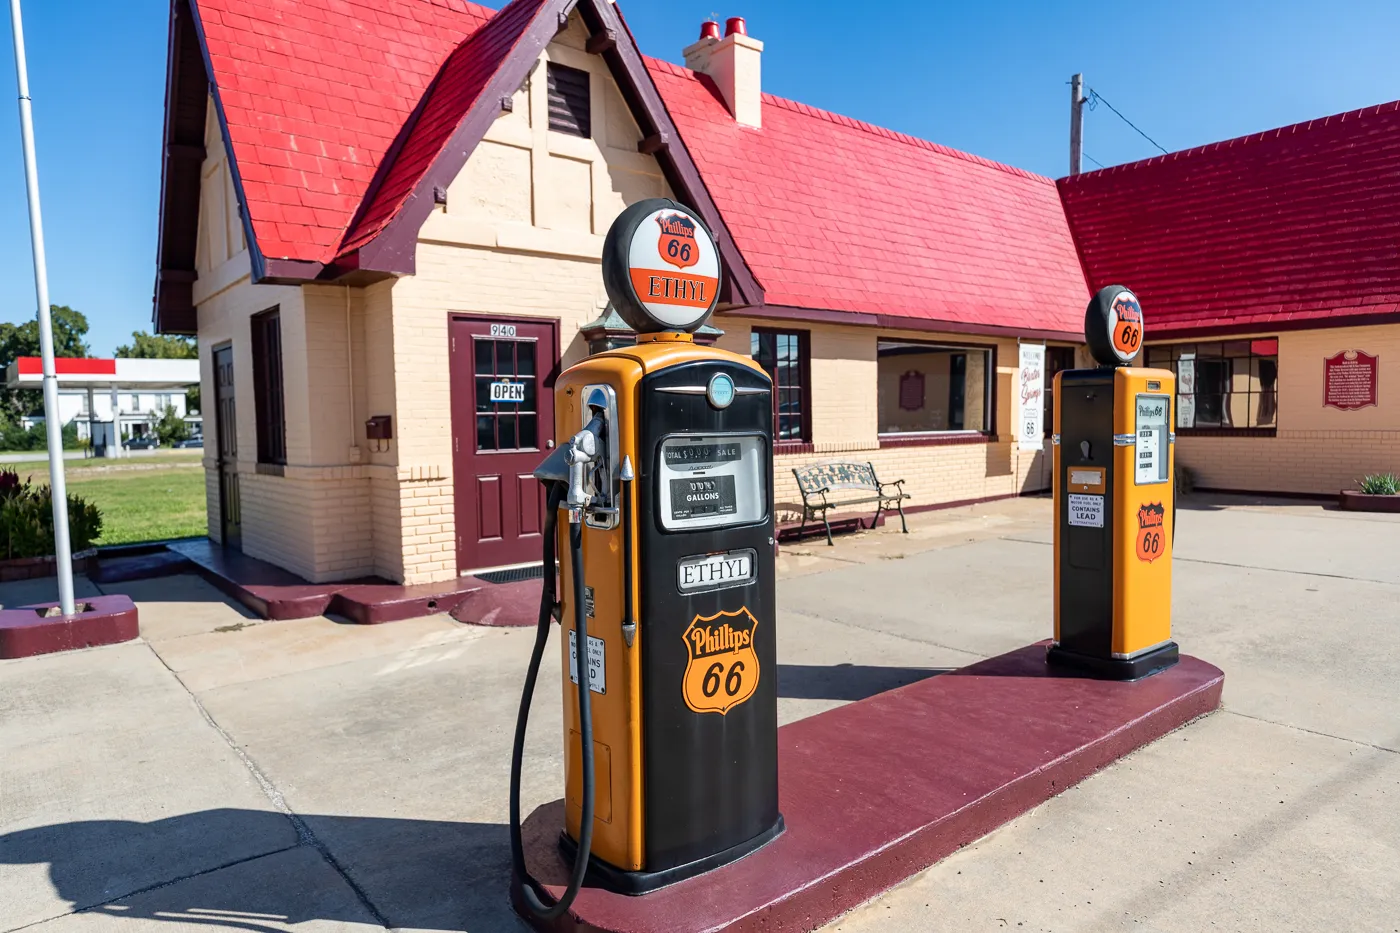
(366, 215)
(90, 390)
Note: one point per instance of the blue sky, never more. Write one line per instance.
(986, 77)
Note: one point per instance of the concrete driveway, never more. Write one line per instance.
(311, 776)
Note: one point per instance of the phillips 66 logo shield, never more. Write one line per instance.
(1125, 321)
(1151, 543)
(723, 667)
(678, 245)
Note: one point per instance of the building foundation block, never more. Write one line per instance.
(876, 791)
(100, 620)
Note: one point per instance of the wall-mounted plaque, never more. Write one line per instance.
(1349, 380)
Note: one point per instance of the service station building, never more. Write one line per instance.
(370, 218)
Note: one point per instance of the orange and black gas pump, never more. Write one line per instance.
(1114, 502)
(661, 498)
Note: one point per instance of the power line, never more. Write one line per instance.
(1094, 160)
(1096, 98)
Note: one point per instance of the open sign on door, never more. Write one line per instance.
(510, 392)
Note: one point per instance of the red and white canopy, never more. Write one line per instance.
(28, 372)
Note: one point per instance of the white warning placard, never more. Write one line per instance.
(1086, 511)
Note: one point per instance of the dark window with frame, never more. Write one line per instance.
(1229, 385)
(955, 385)
(784, 356)
(1056, 359)
(568, 101)
(268, 398)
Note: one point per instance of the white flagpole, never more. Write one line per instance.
(62, 550)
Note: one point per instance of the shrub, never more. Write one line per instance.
(26, 519)
(1380, 484)
(171, 428)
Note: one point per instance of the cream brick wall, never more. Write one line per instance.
(1317, 449)
(521, 235)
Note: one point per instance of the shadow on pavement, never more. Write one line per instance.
(421, 874)
(846, 681)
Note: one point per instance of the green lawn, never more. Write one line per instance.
(142, 505)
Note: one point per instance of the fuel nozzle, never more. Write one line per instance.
(581, 452)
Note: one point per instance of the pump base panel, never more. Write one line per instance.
(878, 790)
(603, 875)
(1134, 668)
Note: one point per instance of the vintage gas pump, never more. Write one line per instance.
(1114, 502)
(667, 611)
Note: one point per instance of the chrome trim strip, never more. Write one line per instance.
(1124, 440)
(1118, 656)
(701, 390)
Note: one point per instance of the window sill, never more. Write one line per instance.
(780, 448)
(936, 439)
(272, 469)
(1227, 432)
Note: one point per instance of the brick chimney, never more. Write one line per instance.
(734, 64)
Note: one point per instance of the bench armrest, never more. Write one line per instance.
(893, 482)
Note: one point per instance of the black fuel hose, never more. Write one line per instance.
(531, 890)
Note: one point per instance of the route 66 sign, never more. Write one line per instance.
(678, 245)
(723, 668)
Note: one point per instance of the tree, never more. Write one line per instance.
(159, 347)
(69, 329)
(16, 340)
(171, 427)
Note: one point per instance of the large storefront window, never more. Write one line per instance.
(926, 388)
(783, 355)
(1223, 385)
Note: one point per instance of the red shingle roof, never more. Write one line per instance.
(1295, 225)
(314, 92)
(457, 87)
(832, 213)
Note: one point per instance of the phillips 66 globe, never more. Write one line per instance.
(661, 267)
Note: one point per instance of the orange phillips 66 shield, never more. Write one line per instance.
(723, 669)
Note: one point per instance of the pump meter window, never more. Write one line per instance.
(710, 481)
(1151, 454)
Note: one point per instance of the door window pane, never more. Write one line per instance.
(504, 424)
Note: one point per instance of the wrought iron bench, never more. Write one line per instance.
(819, 480)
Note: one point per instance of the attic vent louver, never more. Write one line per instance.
(568, 101)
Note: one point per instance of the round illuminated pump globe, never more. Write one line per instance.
(1113, 326)
(661, 267)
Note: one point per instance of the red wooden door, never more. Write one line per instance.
(502, 423)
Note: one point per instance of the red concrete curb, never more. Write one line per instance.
(501, 604)
(25, 633)
(880, 789)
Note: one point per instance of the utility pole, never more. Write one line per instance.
(1076, 124)
(63, 556)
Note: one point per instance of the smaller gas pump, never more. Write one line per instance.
(667, 614)
(1115, 509)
